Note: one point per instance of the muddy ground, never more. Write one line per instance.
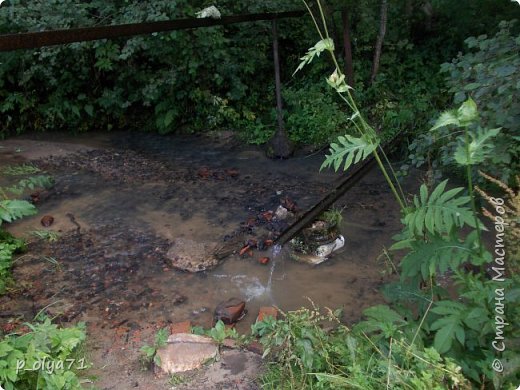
(121, 201)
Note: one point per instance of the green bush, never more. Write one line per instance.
(490, 74)
(44, 358)
(313, 114)
(306, 356)
(183, 80)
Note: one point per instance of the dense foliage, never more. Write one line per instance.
(490, 74)
(222, 77)
(43, 357)
(197, 79)
(309, 357)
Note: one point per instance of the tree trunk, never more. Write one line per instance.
(380, 38)
(349, 69)
(279, 146)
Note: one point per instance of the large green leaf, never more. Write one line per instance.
(351, 149)
(465, 115)
(11, 210)
(439, 212)
(449, 326)
(438, 254)
(478, 149)
(381, 319)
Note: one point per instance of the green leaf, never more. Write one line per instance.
(439, 212)
(351, 150)
(444, 337)
(506, 70)
(161, 337)
(438, 254)
(89, 109)
(446, 118)
(465, 115)
(11, 210)
(315, 51)
(478, 149)
(467, 112)
(471, 86)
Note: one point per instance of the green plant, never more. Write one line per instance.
(46, 357)
(9, 246)
(313, 115)
(219, 333)
(489, 73)
(307, 356)
(333, 216)
(46, 235)
(13, 209)
(176, 379)
(434, 243)
(149, 352)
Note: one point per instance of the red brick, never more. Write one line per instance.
(267, 311)
(180, 327)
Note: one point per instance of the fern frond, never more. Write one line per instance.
(315, 51)
(351, 149)
(11, 210)
(440, 254)
(23, 169)
(439, 212)
(32, 182)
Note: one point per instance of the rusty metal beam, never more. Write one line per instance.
(346, 183)
(33, 40)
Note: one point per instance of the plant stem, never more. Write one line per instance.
(470, 191)
(388, 180)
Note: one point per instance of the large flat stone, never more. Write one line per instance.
(192, 256)
(185, 351)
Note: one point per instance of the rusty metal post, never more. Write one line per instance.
(279, 145)
(276, 58)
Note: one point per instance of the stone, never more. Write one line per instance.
(191, 256)
(230, 311)
(236, 369)
(47, 220)
(180, 327)
(281, 213)
(229, 343)
(263, 260)
(267, 311)
(185, 352)
(255, 347)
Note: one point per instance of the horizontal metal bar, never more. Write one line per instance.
(33, 40)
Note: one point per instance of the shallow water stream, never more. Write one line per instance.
(122, 200)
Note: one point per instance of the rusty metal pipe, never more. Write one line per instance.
(33, 40)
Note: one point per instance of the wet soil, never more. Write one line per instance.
(120, 201)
